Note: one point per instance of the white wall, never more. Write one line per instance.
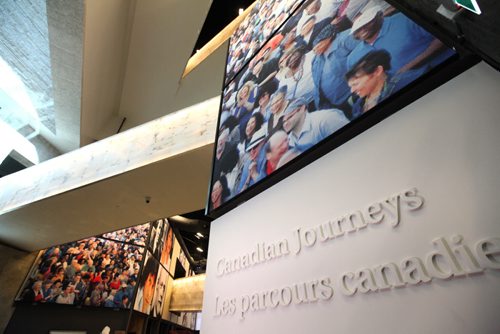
(447, 145)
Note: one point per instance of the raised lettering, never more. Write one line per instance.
(392, 205)
(486, 250)
(356, 219)
(286, 296)
(465, 256)
(375, 213)
(310, 238)
(366, 281)
(343, 284)
(389, 276)
(326, 289)
(412, 200)
(413, 271)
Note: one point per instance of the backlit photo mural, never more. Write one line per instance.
(92, 272)
(330, 64)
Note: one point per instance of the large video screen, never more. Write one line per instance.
(90, 272)
(325, 69)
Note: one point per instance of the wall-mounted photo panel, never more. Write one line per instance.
(160, 292)
(326, 80)
(90, 272)
(187, 319)
(168, 244)
(137, 235)
(156, 237)
(146, 285)
(184, 263)
(266, 16)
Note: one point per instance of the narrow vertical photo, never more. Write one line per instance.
(160, 292)
(147, 285)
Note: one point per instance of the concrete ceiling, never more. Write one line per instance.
(86, 65)
(41, 47)
(134, 55)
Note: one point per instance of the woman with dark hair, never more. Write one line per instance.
(59, 275)
(298, 80)
(370, 80)
(232, 124)
(277, 106)
(253, 124)
(264, 97)
(220, 192)
(245, 99)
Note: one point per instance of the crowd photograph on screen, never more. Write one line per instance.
(90, 272)
(255, 30)
(136, 235)
(326, 66)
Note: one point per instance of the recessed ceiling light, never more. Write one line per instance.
(199, 249)
(198, 234)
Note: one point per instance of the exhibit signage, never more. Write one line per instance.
(469, 5)
(449, 256)
(396, 231)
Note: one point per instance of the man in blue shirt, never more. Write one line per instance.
(409, 45)
(307, 129)
(329, 67)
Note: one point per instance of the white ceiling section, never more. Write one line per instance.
(106, 42)
(134, 55)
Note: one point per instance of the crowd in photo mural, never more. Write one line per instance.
(326, 65)
(125, 269)
(92, 272)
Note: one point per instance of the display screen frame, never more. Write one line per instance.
(438, 75)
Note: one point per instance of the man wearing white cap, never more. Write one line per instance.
(254, 168)
(409, 45)
(307, 129)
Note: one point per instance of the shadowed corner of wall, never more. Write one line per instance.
(14, 266)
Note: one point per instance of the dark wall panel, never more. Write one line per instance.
(42, 318)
